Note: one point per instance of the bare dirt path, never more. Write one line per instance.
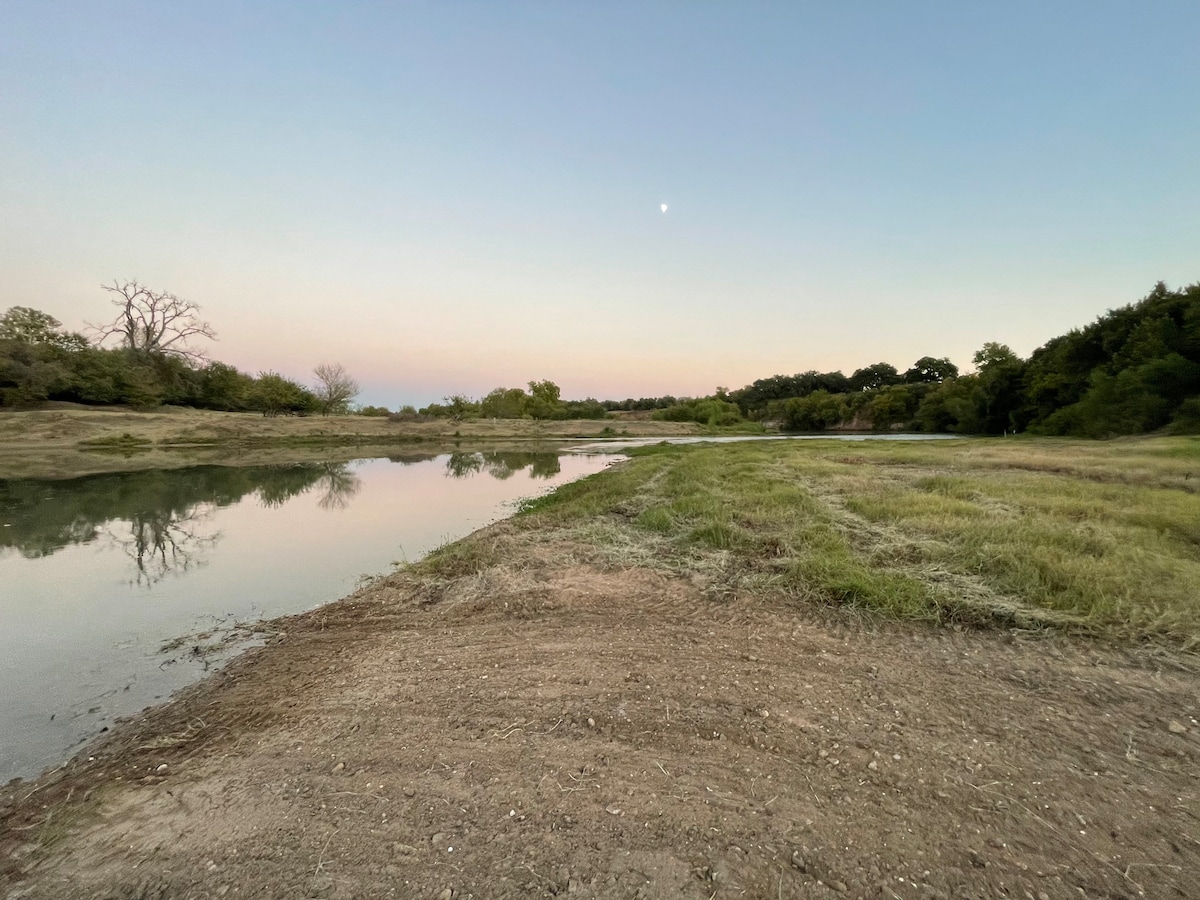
(558, 727)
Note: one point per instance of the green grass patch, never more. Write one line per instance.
(1096, 537)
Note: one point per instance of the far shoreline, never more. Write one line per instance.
(67, 440)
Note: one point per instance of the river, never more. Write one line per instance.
(118, 589)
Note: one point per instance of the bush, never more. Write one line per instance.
(710, 412)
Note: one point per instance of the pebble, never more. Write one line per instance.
(798, 861)
(447, 894)
(872, 765)
(438, 838)
(161, 770)
(410, 793)
(839, 886)
(339, 768)
(1177, 727)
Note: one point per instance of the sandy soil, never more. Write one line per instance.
(560, 726)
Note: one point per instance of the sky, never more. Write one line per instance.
(447, 197)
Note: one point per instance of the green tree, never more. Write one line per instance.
(274, 395)
(1001, 373)
(872, 378)
(504, 403)
(816, 412)
(32, 326)
(222, 386)
(30, 373)
(928, 370)
(892, 405)
(544, 400)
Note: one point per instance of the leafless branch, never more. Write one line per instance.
(153, 321)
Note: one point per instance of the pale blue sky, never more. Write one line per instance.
(452, 196)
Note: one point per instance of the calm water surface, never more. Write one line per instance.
(99, 576)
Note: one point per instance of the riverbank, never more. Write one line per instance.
(66, 440)
(699, 675)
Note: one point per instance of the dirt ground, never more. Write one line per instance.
(560, 727)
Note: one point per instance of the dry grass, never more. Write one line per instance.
(67, 440)
(68, 425)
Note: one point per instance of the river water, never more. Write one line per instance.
(101, 576)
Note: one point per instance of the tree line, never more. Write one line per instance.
(146, 356)
(1135, 369)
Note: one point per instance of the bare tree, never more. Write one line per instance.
(335, 388)
(153, 321)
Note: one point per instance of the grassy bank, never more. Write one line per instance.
(1102, 538)
(66, 440)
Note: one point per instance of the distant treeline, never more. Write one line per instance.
(1133, 370)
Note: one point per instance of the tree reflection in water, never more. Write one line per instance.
(162, 543)
(159, 518)
(340, 486)
(502, 465)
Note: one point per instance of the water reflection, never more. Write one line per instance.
(161, 543)
(97, 574)
(503, 465)
(159, 519)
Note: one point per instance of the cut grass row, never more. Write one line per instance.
(1102, 538)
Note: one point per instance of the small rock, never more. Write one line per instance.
(872, 765)
(765, 713)
(339, 768)
(1177, 727)
(410, 793)
(447, 894)
(437, 838)
(161, 770)
(572, 886)
(798, 862)
(839, 886)
(591, 722)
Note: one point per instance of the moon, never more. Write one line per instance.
(663, 207)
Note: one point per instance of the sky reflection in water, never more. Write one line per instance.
(98, 573)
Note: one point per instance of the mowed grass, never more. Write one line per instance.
(1084, 536)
